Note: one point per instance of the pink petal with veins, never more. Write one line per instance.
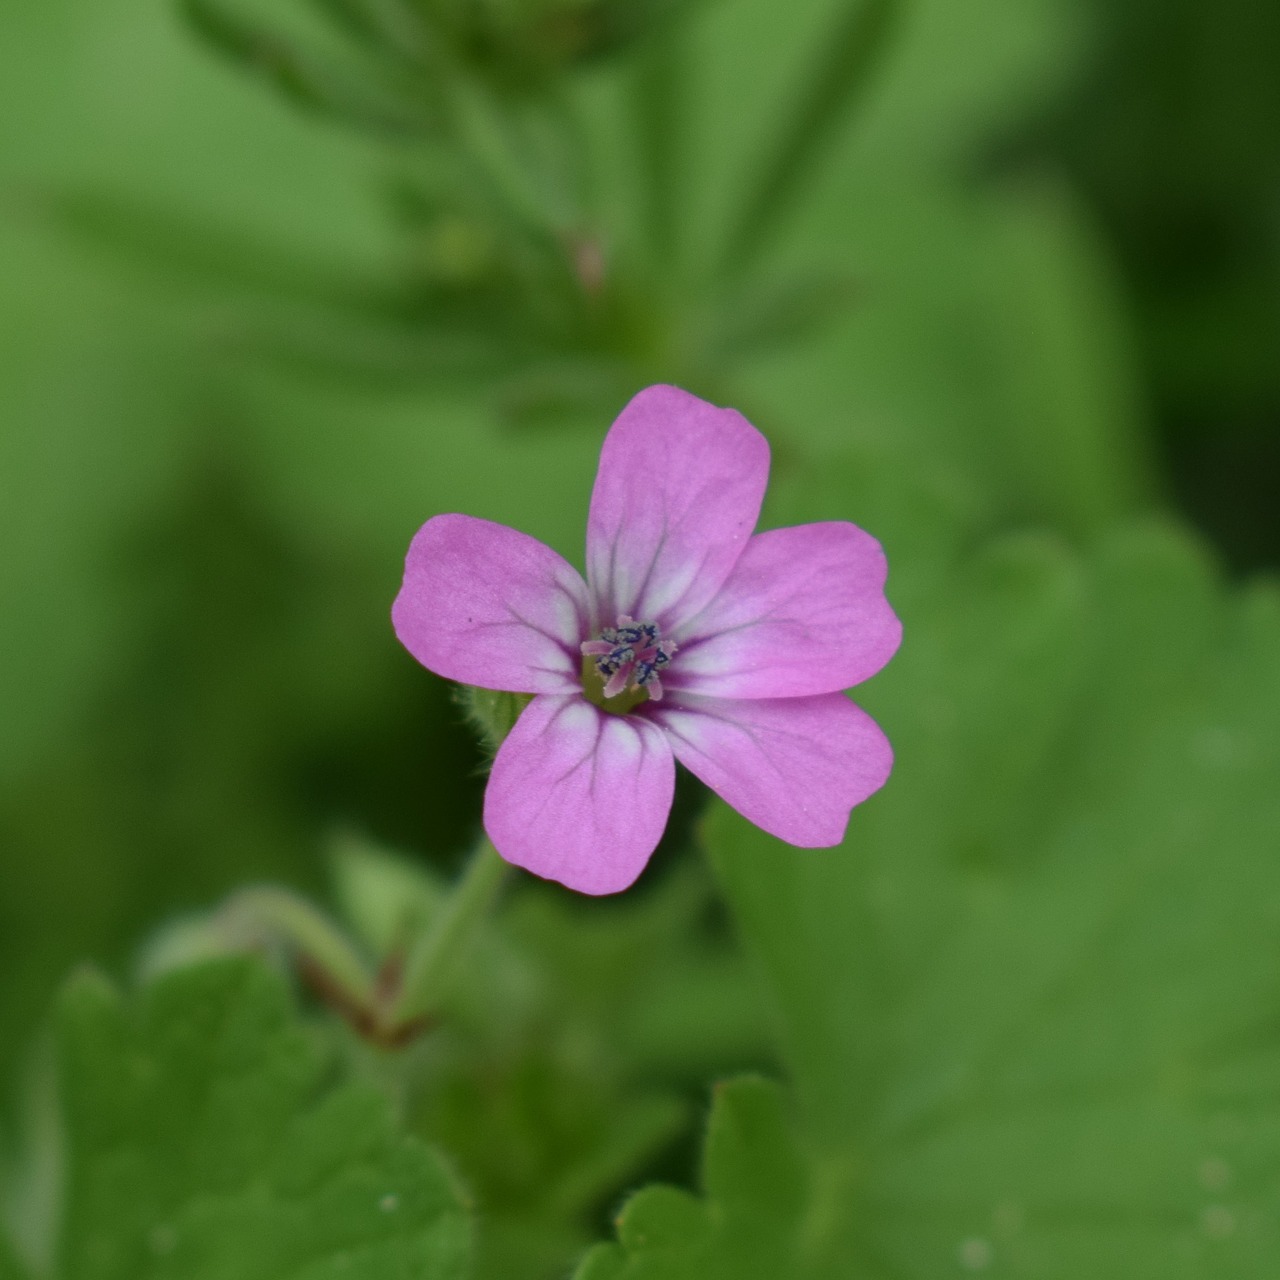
(793, 766)
(578, 795)
(486, 605)
(803, 612)
(676, 498)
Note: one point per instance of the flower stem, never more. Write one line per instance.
(428, 965)
(278, 915)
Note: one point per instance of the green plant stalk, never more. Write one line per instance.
(429, 963)
(281, 916)
(488, 142)
(658, 104)
(841, 69)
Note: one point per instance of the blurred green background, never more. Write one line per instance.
(279, 279)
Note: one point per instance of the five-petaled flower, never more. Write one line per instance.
(692, 639)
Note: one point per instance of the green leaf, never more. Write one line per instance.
(659, 94)
(354, 18)
(1030, 1004)
(1070, 398)
(387, 899)
(207, 256)
(10, 1268)
(201, 1143)
(562, 1064)
(848, 55)
(750, 1222)
(988, 339)
(953, 83)
(305, 78)
(1049, 951)
(778, 313)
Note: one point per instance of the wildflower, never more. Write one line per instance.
(692, 639)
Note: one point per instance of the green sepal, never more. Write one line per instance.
(492, 713)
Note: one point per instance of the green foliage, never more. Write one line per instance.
(303, 77)
(1023, 1012)
(1027, 1005)
(1169, 146)
(1171, 142)
(841, 70)
(9, 1266)
(985, 340)
(526, 41)
(145, 703)
(562, 1063)
(1027, 1009)
(200, 1142)
(751, 1221)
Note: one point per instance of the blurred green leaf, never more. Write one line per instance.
(10, 1269)
(31, 1173)
(200, 1143)
(307, 79)
(385, 27)
(1040, 1018)
(1070, 391)
(565, 1063)
(1031, 1003)
(622, 21)
(1173, 143)
(777, 313)
(755, 1183)
(957, 80)
(90, 385)
(987, 340)
(659, 95)
(666, 992)
(847, 56)
(388, 900)
(195, 255)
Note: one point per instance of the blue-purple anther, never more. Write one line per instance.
(630, 653)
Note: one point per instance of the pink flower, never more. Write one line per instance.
(692, 639)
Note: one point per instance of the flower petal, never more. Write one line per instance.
(803, 612)
(487, 605)
(793, 766)
(578, 795)
(676, 497)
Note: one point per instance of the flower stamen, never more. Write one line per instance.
(632, 654)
